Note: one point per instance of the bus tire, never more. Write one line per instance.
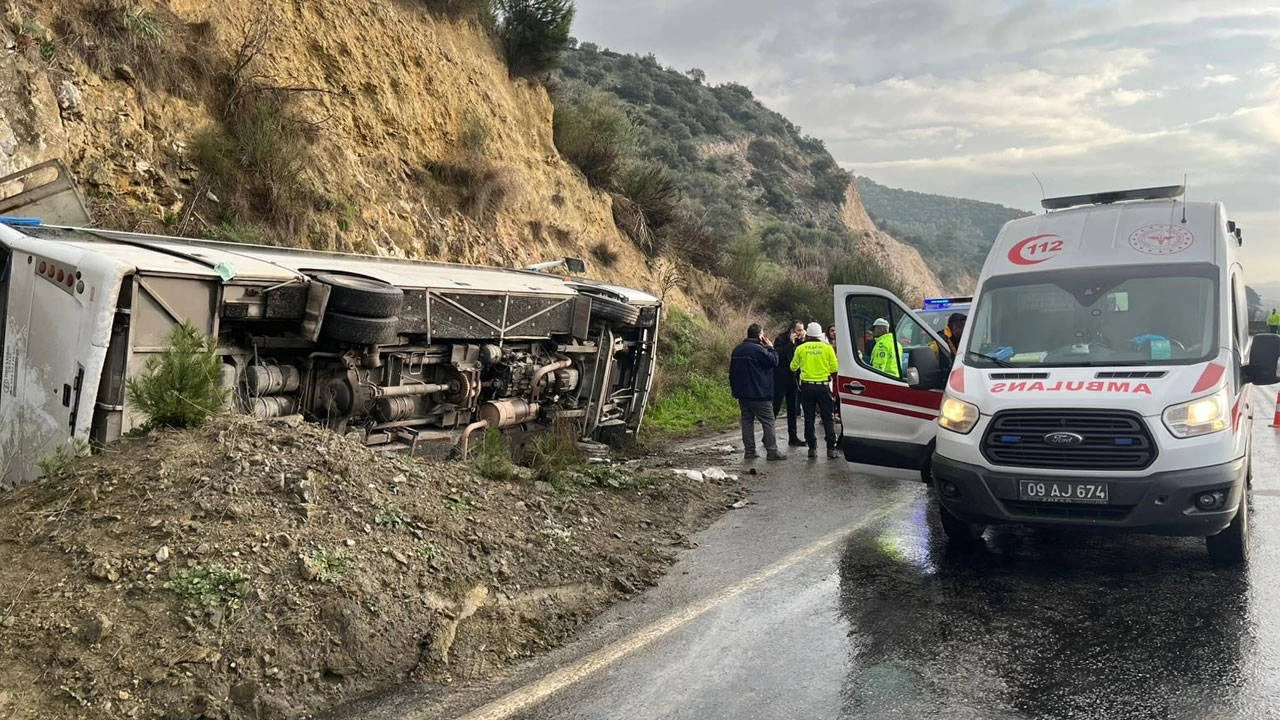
(361, 296)
(359, 330)
(614, 311)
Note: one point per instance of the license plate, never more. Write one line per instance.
(1098, 493)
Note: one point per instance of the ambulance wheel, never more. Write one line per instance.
(957, 530)
(359, 330)
(1231, 546)
(361, 296)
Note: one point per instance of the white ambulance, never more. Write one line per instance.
(1102, 379)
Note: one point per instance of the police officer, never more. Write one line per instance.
(1273, 321)
(817, 364)
(886, 349)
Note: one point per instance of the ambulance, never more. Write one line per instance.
(1102, 380)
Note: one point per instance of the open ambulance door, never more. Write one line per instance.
(889, 417)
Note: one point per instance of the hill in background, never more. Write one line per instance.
(953, 234)
(709, 176)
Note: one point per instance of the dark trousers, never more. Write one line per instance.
(753, 410)
(785, 390)
(816, 398)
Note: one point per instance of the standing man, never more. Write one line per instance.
(751, 369)
(1273, 321)
(886, 350)
(784, 380)
(816, 361)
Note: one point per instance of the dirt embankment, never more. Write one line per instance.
(268, 571)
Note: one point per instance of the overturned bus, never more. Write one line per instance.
(414, 353)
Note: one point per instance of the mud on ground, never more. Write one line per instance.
(270, 571)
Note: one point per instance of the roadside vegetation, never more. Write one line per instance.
(691, 391)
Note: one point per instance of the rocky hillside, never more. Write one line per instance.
(367, 126)
(952, 234)
(750, 180)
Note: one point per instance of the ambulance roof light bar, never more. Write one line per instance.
(1163, 192)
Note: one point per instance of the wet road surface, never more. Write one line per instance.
(835, 595)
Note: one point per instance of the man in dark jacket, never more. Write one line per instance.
(784, 381)
(751, 370)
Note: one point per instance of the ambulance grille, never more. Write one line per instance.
(1112, 440)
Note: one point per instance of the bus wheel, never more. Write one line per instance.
(361, 296)
(359, 330)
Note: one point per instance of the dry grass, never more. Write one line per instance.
(478, 187)
(161, 50)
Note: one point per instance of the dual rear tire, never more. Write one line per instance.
(361, 311)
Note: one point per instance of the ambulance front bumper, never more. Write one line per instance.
(1162, 503)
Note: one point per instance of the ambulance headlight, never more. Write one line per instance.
(1199, 417)
(958, 415)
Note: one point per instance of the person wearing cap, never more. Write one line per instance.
(816, 362)
(751, 368)
(1273, 321)
(886, 350)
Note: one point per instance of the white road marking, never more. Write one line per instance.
(535, 692)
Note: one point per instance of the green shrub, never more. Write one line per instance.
(534, 33)
(492, 456)
(653, 189)
(257, 161)
(867, 270)
(211, 585)
(555, 451)
(325, 565)
(57, 462)
(181, 386)
(592, 132)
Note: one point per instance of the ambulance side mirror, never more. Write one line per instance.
(1264, 353)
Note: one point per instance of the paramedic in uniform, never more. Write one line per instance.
(816, 361)
(886, 350)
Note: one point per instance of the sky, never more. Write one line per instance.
(979, 98)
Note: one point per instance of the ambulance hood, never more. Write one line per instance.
(1146, 391)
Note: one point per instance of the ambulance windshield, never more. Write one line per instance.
(1127, 315)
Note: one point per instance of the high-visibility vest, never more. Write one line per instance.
(885, 354)
(815, 360)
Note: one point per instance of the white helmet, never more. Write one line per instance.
(814, 330)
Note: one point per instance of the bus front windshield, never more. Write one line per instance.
(1130, 315)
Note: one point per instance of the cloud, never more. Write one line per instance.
(969, 97)
(1220, 79)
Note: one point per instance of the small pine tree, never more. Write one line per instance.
(180, 388)
(534, 33)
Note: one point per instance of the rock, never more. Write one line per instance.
(126, 73)
(96, 629)
(740, 504)
(523, 474)
(305, 569)
(244, 694)
(542, 487)
(8, 621)
(103, 570)
(162, 555)
(400, 558)
(69, 100)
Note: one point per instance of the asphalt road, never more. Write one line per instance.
(835, 595)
